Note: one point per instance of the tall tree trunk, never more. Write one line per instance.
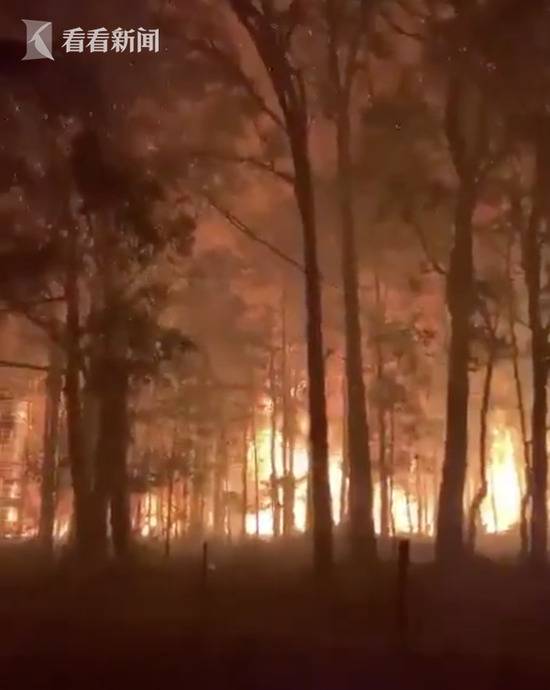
(382, 450)
(171, 470)
(169, 510)
(409, 507)
(185, 504)
(344, 486)
(526, 497)
(449, 538)
(54, 385)
(244, 483)
(481, 493)
(96, 442)
(288, 424)
(517, 225)
(289, 86)
(112, 451)
(218, 490)
(82, 503)
(291, 497)
(274, 478)
(419, 497)
(361, 524)
(539, 352)
(256, 473)
(384, 492)
(392, 469)
(466, 129)
(318, 430)
(196, 524)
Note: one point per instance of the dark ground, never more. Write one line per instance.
(262, 623)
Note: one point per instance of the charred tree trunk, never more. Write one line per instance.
(288, 426)
(532, 248)
(362, 536)
(344, 486)
(449, 544)
(526, 497)
(481, 493)
(392, 469)
(112, 451)
(185, 504)
(384, 488)
(244, 483)
(318, 431)
(419, 497)
(517, 219)
(361, 524)
(291, 485)
(82, 500)
(54, 386)
(466, 129)
(169, 508)
(382, 450)
(196, 525)
(218, 490)
(409, 507)
(256, 474)
(288, 83)
(95, 404)
(274, 479)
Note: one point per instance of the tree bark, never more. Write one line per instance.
(392, 469)
(169, 509)
(54, 386)
(361, 524)
(344, 486)
(449, 540)
(382, 450)
(481, 493)
(274, 479)
(517, 225)
(244, 483)
(539, 353)
(217, 469)
(318, 431)
(82, 500)
(256, 474)
(466, 130)
(288, 426)
(419, 497)
(112, 451)
(290, 90)
(196, 523)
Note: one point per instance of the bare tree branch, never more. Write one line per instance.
(238, 224)
(395, 26)
(412, 11)
(23, 365)
(436, 266)
(236, 72)
(20, 306)
(258, 163)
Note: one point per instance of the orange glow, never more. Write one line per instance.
(499, 513)
(502, 508)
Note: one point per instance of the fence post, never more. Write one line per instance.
(204, 568)
(403, 563)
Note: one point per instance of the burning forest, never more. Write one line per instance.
(275, 317)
